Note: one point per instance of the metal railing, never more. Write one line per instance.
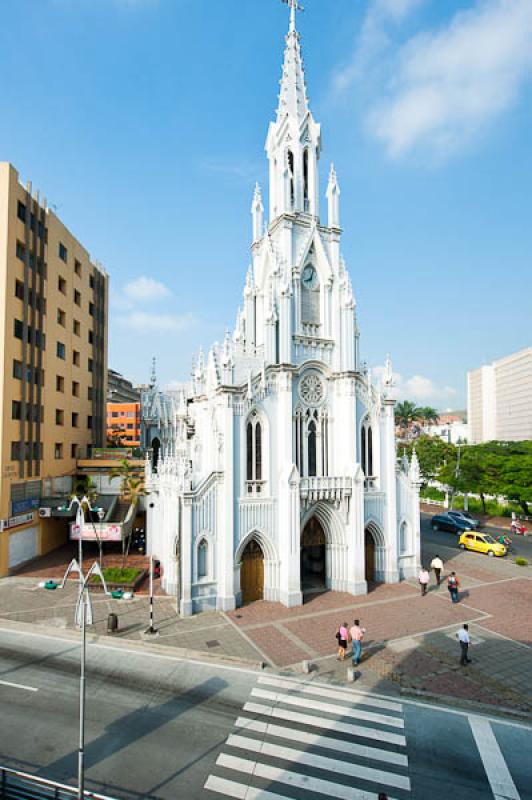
(23, 786)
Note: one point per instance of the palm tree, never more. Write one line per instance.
(131, 490)
(429, 415)
(86, 488)
(406, 413)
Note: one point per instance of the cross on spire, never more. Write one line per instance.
(294, 6)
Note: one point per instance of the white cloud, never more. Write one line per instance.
(146, 322)
(448, 85)
(417, 388)
(143, 290)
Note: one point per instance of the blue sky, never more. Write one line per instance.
(144, 122)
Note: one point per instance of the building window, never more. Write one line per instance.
(91, 337)
(18, 329)
(60, 350)
(15, 451)
(59, 416)
(21, 211)
(77, 268)
(59, 383)
(91, 309)
(203, 563)
(73, 451)
(16, 409)
(91, 281)
(89, 393)
(58, 450)
(311, 444)
(61, 317)
(76, 327)
(61, 285)
(63, 252)
(77, 297)
(19, 290)
(366, 449)
(403, 538)
(75, 419)
(75, 358)
(89, 423)
(21, 251)
(17, 369)
(254, 454)
(90, 365)
(75, 388)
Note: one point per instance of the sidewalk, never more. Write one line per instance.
(410, 644)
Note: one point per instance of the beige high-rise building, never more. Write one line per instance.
(499, 399)
(53, 360)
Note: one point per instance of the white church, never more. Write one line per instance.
(274, 473)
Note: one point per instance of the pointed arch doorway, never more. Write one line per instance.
(313, 572)
(369, 549)
(252, 573)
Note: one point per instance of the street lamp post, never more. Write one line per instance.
(83, 618)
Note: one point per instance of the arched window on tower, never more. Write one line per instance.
(363, 450)
(306, 204)
(254, 453)
(366, 452)
(290, 160)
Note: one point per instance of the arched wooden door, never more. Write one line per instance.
(252, 573)
(313, 556)
(369, 545)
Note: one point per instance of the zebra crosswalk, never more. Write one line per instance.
(288, 744)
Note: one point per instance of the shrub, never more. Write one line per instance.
(521, 562)
(118, 575)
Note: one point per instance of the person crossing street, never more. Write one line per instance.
(357, 634)
(437, 565)
(464, 640)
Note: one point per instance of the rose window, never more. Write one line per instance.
(311, 390)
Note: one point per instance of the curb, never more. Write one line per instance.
(142, 647)
(463, 704)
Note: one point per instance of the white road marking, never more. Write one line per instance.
(334, 694)
(294, 779)
(239, 790)
(326, 724)
(329, 708)
(19, 686)
(320, 762)
(326, 742)
(498, 774)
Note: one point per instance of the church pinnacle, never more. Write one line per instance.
(293, 94)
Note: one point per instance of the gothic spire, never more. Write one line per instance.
(293, 100)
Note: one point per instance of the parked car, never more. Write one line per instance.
(482, 543)
(446, 522)
(466, 517)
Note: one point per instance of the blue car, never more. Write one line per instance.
(446, 522)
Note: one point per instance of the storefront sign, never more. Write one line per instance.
(22, 506)
(13, 522)
(107, 532)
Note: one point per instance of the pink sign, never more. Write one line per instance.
(107, 532)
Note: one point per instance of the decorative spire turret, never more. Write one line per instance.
(333, 197)
(153, 376)
(257, 213)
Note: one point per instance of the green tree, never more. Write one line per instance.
(432, 453)
(131, 490)
(428, 414)
(86, 491)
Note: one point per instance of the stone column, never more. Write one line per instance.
(356, 547)
(225, 523)
(388, 474)
(186, 558)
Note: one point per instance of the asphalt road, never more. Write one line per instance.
(158, 727)
(447, 543)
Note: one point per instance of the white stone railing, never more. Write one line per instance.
(312, 490)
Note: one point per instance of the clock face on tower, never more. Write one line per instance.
(309, 277)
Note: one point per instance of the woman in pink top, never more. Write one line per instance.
(342, 636)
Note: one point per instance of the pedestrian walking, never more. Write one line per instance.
(465, 641)
(424, 579)
(342, 635)
(357, 634)
(437, 565)
(453, 585)
(383, 796)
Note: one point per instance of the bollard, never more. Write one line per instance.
(351, 675)
(306, 667)
(112, 623)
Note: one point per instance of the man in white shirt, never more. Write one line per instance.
(465, 641)
(437, 565)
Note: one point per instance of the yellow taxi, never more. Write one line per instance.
(481, 543)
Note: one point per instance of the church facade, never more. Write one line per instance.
(274, 471)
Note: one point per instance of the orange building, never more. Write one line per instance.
(123, 424)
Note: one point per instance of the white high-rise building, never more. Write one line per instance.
(276, 470)
(499, 399)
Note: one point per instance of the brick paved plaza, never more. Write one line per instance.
(410, 643)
